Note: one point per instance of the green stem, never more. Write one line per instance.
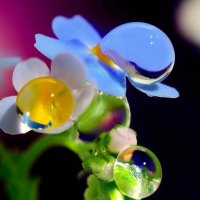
(6, 163)
(68, 139)
(15, 166)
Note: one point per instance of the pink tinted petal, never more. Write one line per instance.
(69, 69)
(83, 99)
(28, 70)
(9, 120)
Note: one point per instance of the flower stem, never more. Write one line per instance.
(68, 139)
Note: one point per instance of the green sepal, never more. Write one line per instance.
(101, 165)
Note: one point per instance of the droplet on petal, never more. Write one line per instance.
(44, 103)
(142, 50)
(137, 172)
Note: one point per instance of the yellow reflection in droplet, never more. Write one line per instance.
(45, 101)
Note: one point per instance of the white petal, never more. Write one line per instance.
(83, 99)
(69, 69)
(60, 129)
(28, 70)
(9, 120)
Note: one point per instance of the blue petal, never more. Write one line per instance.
(50, 47)
(75, 28)
(143, 44)
(108, 80)
(156, 89)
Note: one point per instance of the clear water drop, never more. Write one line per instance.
(137, 172)
(105, 112)
(44, 103)
(142, 50)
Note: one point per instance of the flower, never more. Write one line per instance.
(136, 50)
(47, 101)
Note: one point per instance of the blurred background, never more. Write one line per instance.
(169, 127)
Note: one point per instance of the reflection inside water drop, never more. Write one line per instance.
(44, 103)
(137, 172)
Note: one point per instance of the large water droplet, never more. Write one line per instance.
(137, 172)
(44, 103)
(142, 50)
(105, 112)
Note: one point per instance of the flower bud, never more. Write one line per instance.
(121, 138)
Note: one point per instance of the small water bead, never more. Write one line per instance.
(44, 103)
(141, 49)
(137, 172)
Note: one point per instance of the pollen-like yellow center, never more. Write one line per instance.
(44, 103)
(102, 57)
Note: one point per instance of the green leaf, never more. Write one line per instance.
(101, 190)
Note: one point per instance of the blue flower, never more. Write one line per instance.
(136, 50)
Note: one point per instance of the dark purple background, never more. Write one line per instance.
(169, 127)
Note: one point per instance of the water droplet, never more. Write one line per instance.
(105, 112)
(44, 103)
(142, 50)
(137, 172)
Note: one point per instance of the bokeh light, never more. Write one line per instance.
(187, 19)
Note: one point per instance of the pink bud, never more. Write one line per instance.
(121, 138)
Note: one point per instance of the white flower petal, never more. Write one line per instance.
(83, 98)
(28, 70)
(69, 69)
(9, 120)
(60, 129)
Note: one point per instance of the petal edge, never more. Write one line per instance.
(9, 120)
(157, 90)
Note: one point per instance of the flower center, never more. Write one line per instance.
(102, 57)
(44, 103)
